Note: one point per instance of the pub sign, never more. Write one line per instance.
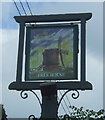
(51, 52)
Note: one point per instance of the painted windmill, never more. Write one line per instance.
(52, 57)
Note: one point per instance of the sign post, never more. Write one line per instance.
(51, 57)
(49, 101)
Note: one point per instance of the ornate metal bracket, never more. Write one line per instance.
(24, 95)
(74, 96)
(31, 117)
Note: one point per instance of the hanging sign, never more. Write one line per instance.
(51, 52)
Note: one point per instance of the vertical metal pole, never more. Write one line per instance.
(49, 101)
(20, 53)
(83, 50)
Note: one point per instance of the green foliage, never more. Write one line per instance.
(81, 114)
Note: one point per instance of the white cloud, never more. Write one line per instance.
(0, 89)
(0, 68)
(0, 14)
(9, 53)
(6, 54)
(0, 73)
(8, 35)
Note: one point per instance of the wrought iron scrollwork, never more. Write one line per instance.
(74, 96)
(24, 95)
(31, 117)
(36, 97)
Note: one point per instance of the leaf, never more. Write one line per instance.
(81, 108)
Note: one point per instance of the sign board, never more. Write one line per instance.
(51, 52)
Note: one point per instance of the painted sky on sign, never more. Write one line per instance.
(17, 107)
(49, 36)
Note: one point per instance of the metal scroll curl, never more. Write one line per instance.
(74, 96)
(31, 117)
(24, 95)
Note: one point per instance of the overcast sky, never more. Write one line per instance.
(14, 104)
